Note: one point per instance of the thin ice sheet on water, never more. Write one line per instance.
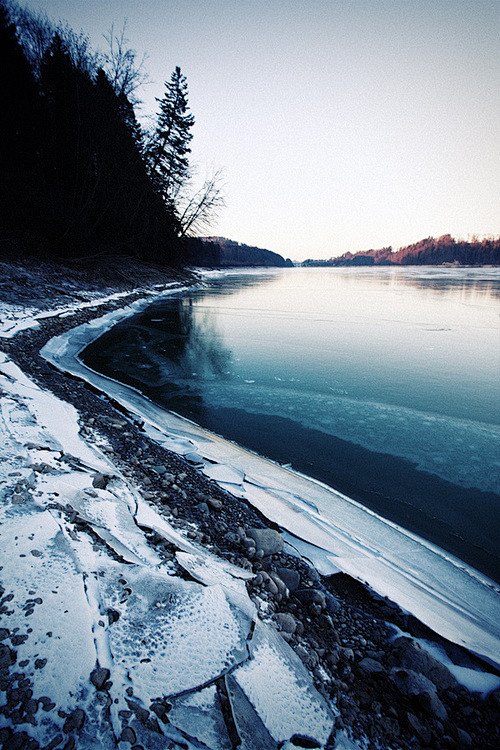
(164, 623)
(279, 688)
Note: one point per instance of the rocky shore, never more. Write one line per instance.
(387, 691)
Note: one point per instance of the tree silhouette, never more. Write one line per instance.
(167, 153)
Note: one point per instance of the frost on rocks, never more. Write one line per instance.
(280, 690)
(173, 636)
(199, 716)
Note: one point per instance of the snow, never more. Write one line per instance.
(450, 597)
(38, 559)
(15, 318)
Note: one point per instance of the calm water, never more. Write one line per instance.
(382, 383)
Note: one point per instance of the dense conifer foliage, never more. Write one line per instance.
(74, 181)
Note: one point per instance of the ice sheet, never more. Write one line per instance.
(446, 594)
(167, 623)
(199, 716)
(279, 688)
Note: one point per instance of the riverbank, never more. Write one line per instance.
(385, 690)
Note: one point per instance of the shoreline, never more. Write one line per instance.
(343, 636)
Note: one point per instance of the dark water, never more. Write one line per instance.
(383, 383)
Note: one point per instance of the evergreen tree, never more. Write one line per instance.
(167, 153)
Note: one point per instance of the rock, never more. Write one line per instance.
(100, 481)
(286, 622)
(412, 656)
(309, 658)
(409, 682)
(464, 738)
(74, 721)
(160, 469)
(99, 676)
(7, 656)
(128, 735)
(268, 541)
(421, 729)
(332, 604)
(311, 596)
(290, 578)
(303, 740)
(372, 666)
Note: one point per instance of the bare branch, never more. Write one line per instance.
(202, 208)
(125, 72)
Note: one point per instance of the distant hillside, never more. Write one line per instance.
(429, 252)
(219, 251)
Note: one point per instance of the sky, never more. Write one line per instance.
(340, 125)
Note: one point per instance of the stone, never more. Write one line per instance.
(160, 469)
(411, 655)
(421, 730)
(311, 596)
(464, 738)
(100, 481)
(409, 682)
(74, 721)
(128, 735)
(332, 604)
(286, 622)
(268, 541)
(372, 666)
(290, 578)
(99, 676)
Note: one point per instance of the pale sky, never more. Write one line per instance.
(340, 124)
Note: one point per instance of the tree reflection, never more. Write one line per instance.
(165, 352)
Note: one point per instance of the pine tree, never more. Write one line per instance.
(167, 154)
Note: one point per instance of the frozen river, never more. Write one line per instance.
(382, 383)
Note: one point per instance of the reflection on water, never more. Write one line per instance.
(381, 382)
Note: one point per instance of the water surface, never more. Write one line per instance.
(383, 383)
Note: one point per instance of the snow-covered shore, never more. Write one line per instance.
(162, 597)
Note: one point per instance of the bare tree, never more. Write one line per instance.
(202, 208)
(123, 68)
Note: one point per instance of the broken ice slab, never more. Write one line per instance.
(108, 512)
(224, 474)
(165, 622)
(199, 716)
(211, 570)
(251, 730)
(281, 691)
(148, 517)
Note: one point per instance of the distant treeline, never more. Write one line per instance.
(221, 252)
(432, 251)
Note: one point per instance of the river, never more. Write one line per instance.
(382, 383)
